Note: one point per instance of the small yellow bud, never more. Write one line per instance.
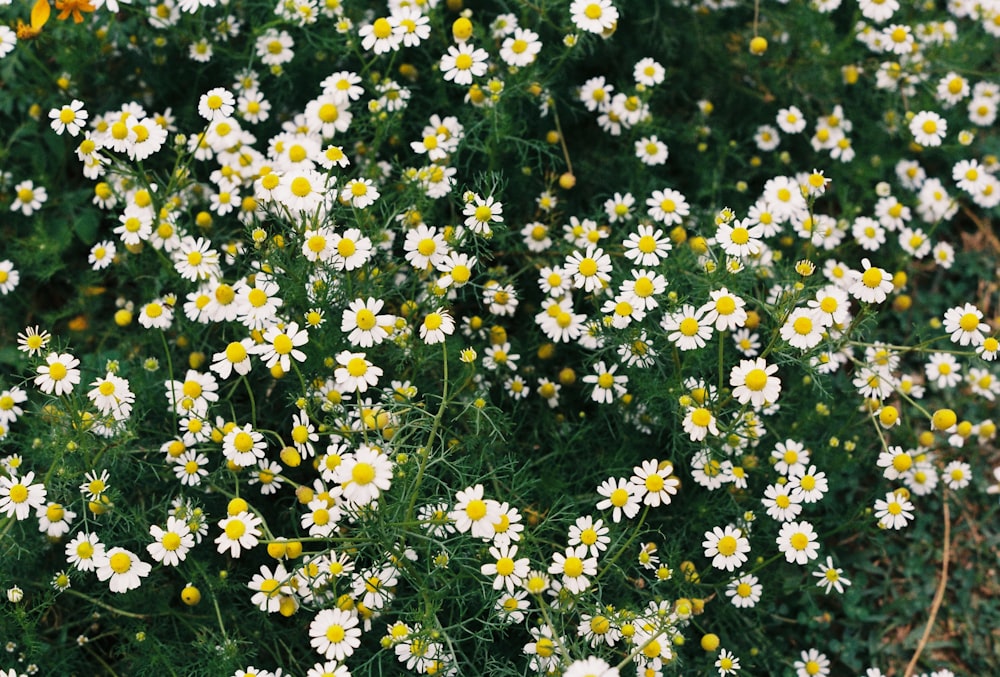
(123, 318)
(943, 419)
(758, 45)
(190, 595)
(236, 506)
(710, 642)
(461, 30)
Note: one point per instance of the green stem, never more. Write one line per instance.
(108, 607)
(425, 451)
(635, 534)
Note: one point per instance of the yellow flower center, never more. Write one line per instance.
(363, 473)
(969, 322)
(57, 371)
(872, 278)
(619, 497)
(689, 326)
(357, 367)
(19, 493)
(382, 29)
(282, 344)
(740, 235)
(243, 442)
(727, 545)
(799, 541)
(701, 417)
(802, 326)
(235, 352)
(170, 541)
(120, 562)
(573, 567)
(756, 379)
(300, 186)
(476, 509)
(365, 319)
(235, 529)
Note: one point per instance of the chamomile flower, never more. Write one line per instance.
(189, 467)
(335, 634)
(464, 62)
(216, 104)
(725, 310)
(507, 570)
(830, 577)
(321, 519)
(943, 370)
(928, 128)
(740, 239)
(70, 118)
(727, 547)
(365, 326)
(59, 375)
(235, 358)
(965, 325)
(594, 16)
(112, 396)
(379, 37)
(170, 544)
(84, 551)
(871, 285)
(745, 591)
(480, 213)
(811, 485)
(651, 150)
(575, 567)
(698, 423)
(33, 339)
(156, 315)
(28, 198)
(239, 532)
(244, 446)
(781, 503)
(355, 372)
(590, 270)
(350, 250)
(608, 385)
(791, 120)
(281, 345)
(648, 246)
(9, 401)
(667, 206)
(437, 326)
(621, 497)
(359, 193)
(20, 496)
(653, 482)
(804, 327)
(364, 475)
(797, 542)
(122, 569)
(521, 48)
(474, 514)
(957, 475)
(687, 327)
(269, 587)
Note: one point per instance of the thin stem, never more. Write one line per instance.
(108, 607)
(939, 593)
(425, 451)
(635, 533)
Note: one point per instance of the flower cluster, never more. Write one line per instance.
(376, 335)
